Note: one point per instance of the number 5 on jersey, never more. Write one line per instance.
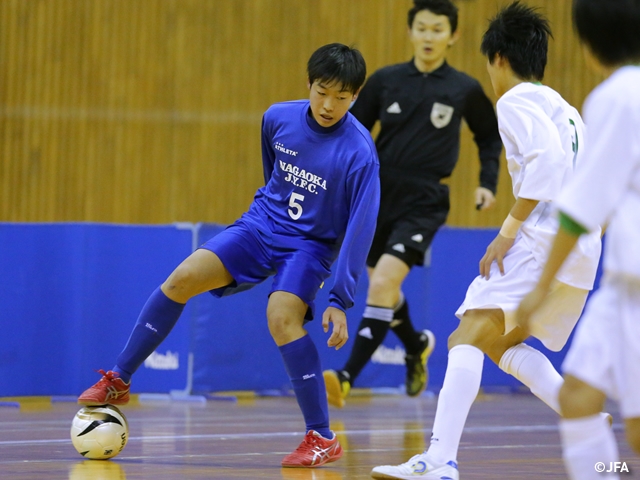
(296, 209)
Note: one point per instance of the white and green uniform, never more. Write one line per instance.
(543, 137)
(606, 350)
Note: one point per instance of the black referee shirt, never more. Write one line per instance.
(420, 115)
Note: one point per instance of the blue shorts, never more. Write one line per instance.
(251, 253)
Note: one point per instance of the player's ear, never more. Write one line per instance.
(501, 61)
(308, 83)
(355, 95)
(454, 38)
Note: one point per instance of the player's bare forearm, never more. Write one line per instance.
(523, 208)
(339, 334)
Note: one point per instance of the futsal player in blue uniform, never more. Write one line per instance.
(319, 204)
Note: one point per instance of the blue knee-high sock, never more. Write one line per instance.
(302, 362)
(157, 318)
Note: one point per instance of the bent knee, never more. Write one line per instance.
(381, 288)
(463, 335)
(504, 342)
(284, 327)
(496, 351)
(478, 329)
(183, 275)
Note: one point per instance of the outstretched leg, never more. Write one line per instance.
(200, 272)
(528, 365)
(477, 331)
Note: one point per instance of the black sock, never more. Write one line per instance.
(403, 328)
(371, 332)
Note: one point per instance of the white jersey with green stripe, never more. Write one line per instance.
(607, 190)
(544, 141)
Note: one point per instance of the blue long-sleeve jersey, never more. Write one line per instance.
(321, 184)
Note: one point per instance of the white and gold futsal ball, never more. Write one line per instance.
(99, 432)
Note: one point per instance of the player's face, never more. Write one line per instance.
(431, 37)
(329, 103)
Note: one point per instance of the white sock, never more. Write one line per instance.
(585, 442)
(459, 390)
(534, 369)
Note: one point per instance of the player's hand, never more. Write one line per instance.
(340, 335)
(484, 198)
(496, 252)
(529, 306)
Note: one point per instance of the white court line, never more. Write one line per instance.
(240, 436)
(124, 459)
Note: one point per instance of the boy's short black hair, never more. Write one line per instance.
(610, 28)
(438, 7)
(337, 63)
(520, 34)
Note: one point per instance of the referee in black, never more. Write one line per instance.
(420, 105)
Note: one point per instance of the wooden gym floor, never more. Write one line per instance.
(507, 437)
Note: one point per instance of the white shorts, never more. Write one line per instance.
(553, 323)
(605, 352)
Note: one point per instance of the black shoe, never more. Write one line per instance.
(338, 387)
(417, 373)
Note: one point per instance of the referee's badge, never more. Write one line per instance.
(394, 108)
(441, 115)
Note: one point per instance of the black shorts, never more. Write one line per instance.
(405, 229)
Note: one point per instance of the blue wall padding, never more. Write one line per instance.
(70, 295)
(234, 351)
(69, 298)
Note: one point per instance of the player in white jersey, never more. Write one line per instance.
(604, 359)
(542, 135)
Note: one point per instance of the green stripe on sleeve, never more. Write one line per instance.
(569, 225)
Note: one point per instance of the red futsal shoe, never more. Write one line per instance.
(109, 390)
(315, 450)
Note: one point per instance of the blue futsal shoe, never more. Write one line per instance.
(418, 466)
